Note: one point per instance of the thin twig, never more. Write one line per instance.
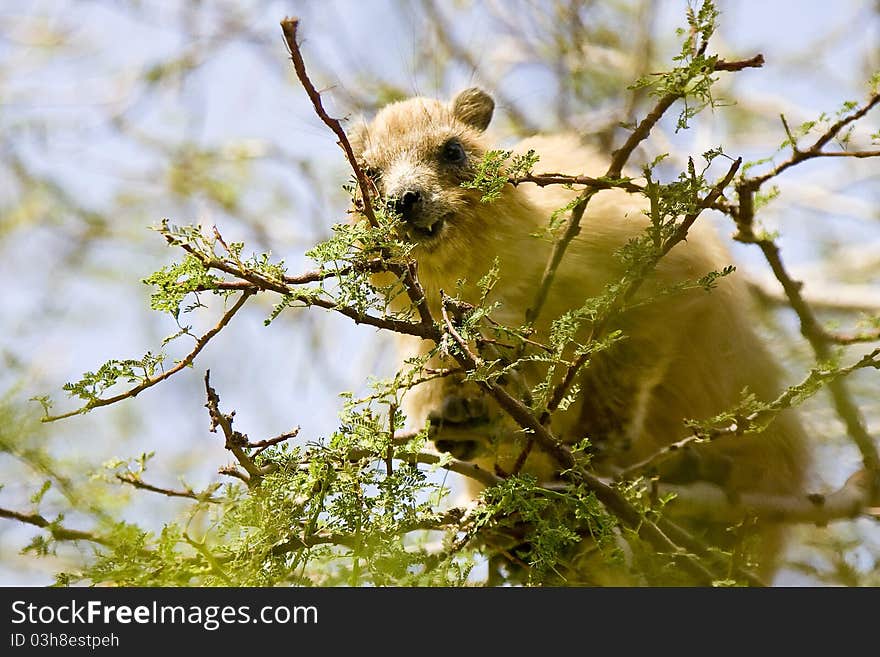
(389, 452)
(798, 155)
(546, 179)
(615, 170)
(149, 383)
(606, 493)
(754, 62)
(419, 329)
(572, 230)
(58, 532)
(422, 329)
(620, 156)
(202, 549)
(851, 500)
(314, 276)
(289, 27)
(852, 338)
(263, 445)
(464, 468)
(232, 471)
(632, 286)
(236, 442)
(137, 482)
(744, 425)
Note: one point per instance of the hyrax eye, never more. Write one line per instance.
(453, 152)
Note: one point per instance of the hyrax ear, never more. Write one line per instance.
(474, 107)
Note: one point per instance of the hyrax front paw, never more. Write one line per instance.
(456, 426)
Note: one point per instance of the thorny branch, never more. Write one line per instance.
(289, 27)
(615, 170)
(744, 424)
(262, 445)
(545, 179)
(464, 468)
(57, 531)
(237, 442)
(798, 155)
(137, 482)
(820, 340)
(630, 289)
(606, 493)
(149, 383)
(254, 282)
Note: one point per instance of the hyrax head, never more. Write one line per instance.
(418, 152)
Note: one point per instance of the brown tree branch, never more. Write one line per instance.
(605, 492)
(289, 27)
(798, 155)
(620, 156)
(464, 468)
(137, 482)
(615, 170)
(572, 230)
(254, 282)
(388, 323)
(856, 154)
(810, 328)
(629, 290)
(149, 383)
(852, 338)
(232, 471)
(236, 442)
(263, 445)
(753, 62)
(744, 425)
(546, 179)
(852, 500)
(58, 532)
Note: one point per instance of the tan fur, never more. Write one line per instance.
(688, 355)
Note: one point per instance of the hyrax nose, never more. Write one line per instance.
(407, 204)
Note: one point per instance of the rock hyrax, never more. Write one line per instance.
(685, 355)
